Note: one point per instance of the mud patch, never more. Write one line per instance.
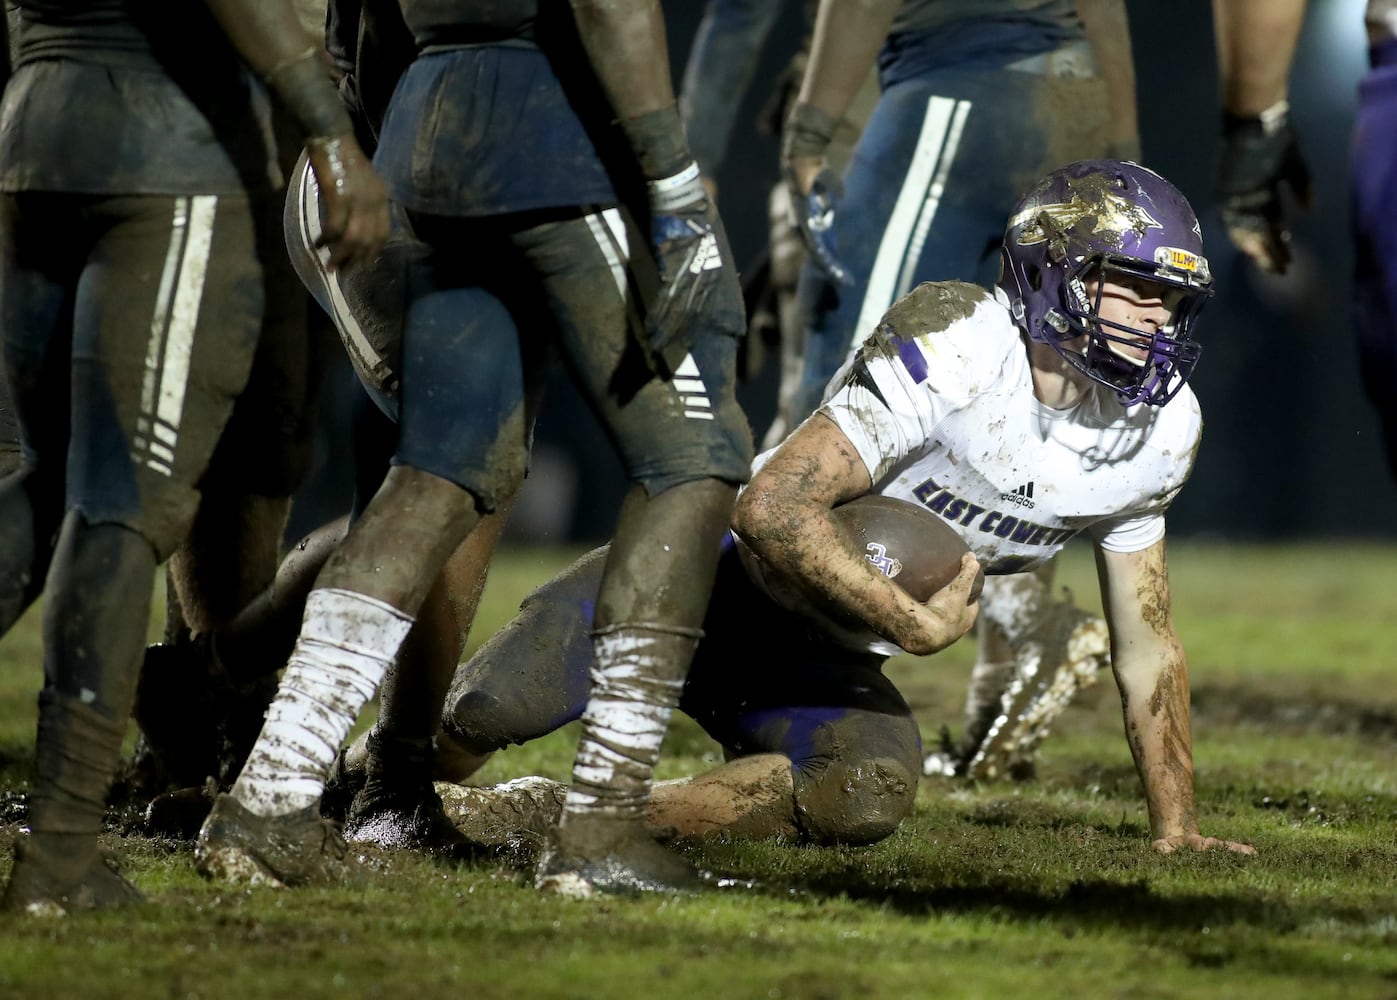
(931, 307)
(1085, 902)
(1237, 706)
(1303, 807)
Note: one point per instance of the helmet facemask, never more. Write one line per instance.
(1141, 364)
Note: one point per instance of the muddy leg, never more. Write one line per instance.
(659, 574)
(201, 698)
(751, 797)
(395, 804)
(94, 633)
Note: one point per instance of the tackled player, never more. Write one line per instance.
(1069, 376)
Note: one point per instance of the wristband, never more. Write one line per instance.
(808, 133)
(1267, 123)
(657, 138)
(678, 191)
(302, 87)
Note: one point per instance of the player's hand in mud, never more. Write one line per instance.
(355, 199)
(815, 193)
(1261, 175)
(1198, 842)
(948, 614)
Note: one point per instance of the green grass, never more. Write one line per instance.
(1045, 889)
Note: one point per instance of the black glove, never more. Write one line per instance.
(1260, 157)
(698, 288)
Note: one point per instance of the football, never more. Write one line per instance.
(910, 544)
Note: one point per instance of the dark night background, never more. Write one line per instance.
(1291, 448)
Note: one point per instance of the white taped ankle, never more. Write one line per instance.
(632, 699)
(347, 643)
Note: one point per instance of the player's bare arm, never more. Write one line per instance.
(269, 37)
(847, 37)
(625, 42)
(1256, 40)
(784, 517)
(1152, 674)
(848, 34)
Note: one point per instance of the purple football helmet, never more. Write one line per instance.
(1117, 222)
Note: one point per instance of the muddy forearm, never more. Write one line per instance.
(1155, 703)
(1256, 41)
(1152, 674)
(785, 518)
(268, 35)
(803, 548)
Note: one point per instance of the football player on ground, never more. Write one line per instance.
(132, 302)
(1066, 381)
(977, 101)
(512, 193)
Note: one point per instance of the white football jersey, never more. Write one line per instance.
(946, 417)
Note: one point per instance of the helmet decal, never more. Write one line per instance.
(1114, 216)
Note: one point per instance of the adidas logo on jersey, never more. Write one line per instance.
(1023, 495)
(706, 257)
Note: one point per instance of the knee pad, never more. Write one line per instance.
(476, 720)
(854, 802)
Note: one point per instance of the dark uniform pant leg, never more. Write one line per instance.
(151, 308)
(687, 428)
(533, 675)
(37, 276)
(166, 323)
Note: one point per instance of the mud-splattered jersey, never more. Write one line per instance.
(939, 403)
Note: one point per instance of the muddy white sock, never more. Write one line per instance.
(346, 644)
(636, 683)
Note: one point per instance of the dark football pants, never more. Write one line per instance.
(130, 325)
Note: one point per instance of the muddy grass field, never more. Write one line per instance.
(1040, 889)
